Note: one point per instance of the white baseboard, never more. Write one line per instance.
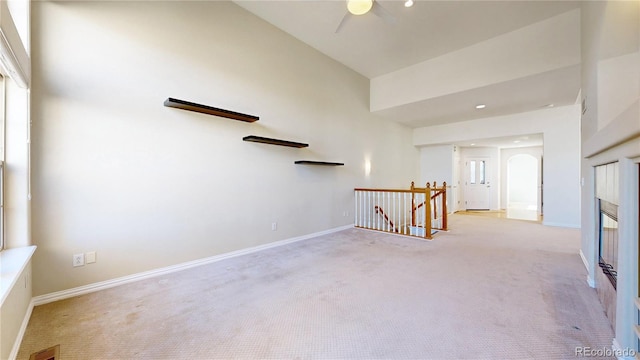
(571, 226)
(81, 290)
(620, 353)
(590, 280)
(584, 260)
(23, 328)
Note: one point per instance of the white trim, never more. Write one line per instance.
(15, 58)
(13, 261)
(584, 260)
(572, 226)
(586, 265)
(615, 346)
(102, 285)
(23, 328)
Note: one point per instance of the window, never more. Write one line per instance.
(472, 171)
(478, 176)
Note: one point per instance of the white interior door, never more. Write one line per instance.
(477, 192)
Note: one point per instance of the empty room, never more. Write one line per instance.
(349, 179)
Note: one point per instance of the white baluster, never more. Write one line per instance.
(360, 209)
(404, 213)
(366, 204)
(369, 209)
(377, 215)
(421, 211)
(361, 214)
(386, 207)
(393, 211)
(362, 218)
(378, 201)
(355, 209)
(381, 204)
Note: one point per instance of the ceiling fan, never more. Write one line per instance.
(361, 7)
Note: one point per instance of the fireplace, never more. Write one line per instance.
(606, 219)
(608, 240)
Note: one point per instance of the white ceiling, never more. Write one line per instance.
(373, 47)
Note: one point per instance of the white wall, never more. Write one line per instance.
(561, 130)
(148, 186)
(436, 165)
(456, 184)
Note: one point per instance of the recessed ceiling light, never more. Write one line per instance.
(481, 106)
(408, 3)
(516, 141)
(472, 144)
(359, 7)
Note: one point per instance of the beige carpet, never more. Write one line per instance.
(488, 289)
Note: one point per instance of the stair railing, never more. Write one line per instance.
(407, 212)
(438, 205)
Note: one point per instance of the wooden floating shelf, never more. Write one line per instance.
(264, 140)
(186, 105)
(324, 163)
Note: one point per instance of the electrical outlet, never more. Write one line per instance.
(90, 257)
(78, 260)
(274, 226)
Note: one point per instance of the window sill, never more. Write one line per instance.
(12, 264)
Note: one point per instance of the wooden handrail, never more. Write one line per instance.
(388, 190)
(437, 194)
(432, 197)
(379, 210)
(415, 190)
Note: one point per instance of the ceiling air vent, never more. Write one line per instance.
(52, 353)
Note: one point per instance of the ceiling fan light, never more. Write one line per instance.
(359, 7)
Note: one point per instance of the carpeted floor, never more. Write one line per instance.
(488, 289)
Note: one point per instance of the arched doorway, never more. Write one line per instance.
(522, 187)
